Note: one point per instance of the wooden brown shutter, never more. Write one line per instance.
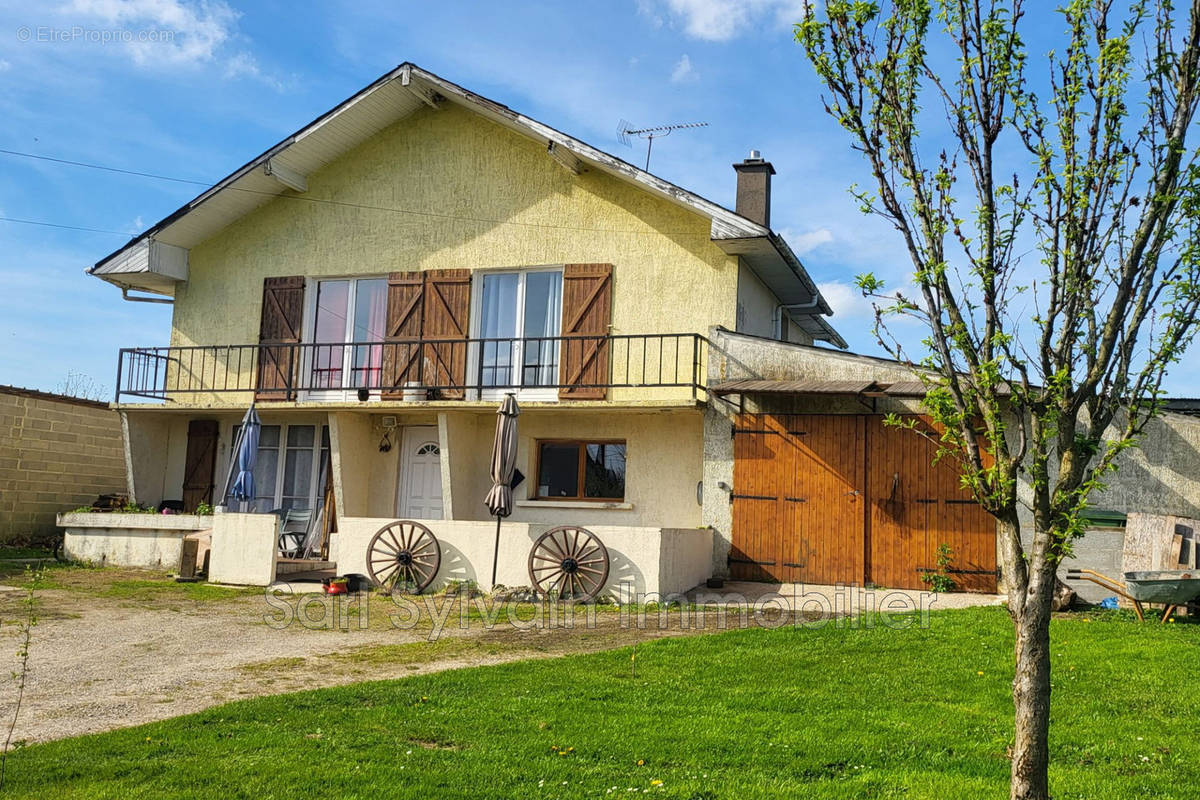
(447, 304)
(199, 462)
(401, 349)
(282, 316)
(587, 313)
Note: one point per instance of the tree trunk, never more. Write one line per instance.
(1031, 691)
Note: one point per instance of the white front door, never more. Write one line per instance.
(420, 484)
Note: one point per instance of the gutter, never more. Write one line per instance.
(132, 298)
(777, 315)
(785, 252)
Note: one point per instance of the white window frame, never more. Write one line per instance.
(315, 491)
(476, 351)
(311, 289)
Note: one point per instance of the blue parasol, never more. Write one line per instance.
(247, 454)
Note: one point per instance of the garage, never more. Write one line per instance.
(844, 498)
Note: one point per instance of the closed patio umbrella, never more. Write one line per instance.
(504, 460)
(245, 454)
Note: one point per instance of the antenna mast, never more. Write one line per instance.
(625, 130)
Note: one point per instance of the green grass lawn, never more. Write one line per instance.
(917, 713)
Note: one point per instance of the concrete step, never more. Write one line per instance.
(289, 566)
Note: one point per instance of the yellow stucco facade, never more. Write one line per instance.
(664, 455)
(446, 188)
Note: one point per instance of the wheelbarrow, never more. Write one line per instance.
(1171, 588)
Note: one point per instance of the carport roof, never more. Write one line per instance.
(796, 387)
(873, 388)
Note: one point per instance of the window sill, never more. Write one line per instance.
(613, 505)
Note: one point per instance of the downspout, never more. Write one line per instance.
(777, 317)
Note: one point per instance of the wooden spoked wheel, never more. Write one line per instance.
(568, 563)
(404, 556)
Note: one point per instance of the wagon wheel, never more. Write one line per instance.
(568, 562)
(404, 556)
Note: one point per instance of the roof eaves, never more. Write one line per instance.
(718, 213)
(722, 217)
(786, 253)
(832, 336)
(250, 165)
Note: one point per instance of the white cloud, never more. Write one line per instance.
(804, 243)
(847, 302)
(683, 70)
(722, 20)
(849, 305)
(4, 65)
(164, 30)
(170, 33)
(648, 10)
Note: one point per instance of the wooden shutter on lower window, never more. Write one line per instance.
(282, 316)
(587, 314)
(447, 304)
(199, 462)
(405, 316)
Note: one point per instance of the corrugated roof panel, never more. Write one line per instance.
(748, 386)
(907, 389)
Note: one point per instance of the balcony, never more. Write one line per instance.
(537, 368)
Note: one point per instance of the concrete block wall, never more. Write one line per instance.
(56, 453)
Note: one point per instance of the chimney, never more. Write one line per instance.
(754, 188)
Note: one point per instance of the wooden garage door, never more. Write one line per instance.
(916, 506)
(846, 498)
(797, 502)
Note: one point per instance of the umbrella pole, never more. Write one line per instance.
(496, 552)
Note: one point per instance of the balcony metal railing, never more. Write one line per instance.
(570, 367)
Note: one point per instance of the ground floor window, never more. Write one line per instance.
(580, 470)
(290, 470)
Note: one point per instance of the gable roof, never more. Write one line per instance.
(156, 259)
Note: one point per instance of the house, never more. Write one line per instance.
(377, 282)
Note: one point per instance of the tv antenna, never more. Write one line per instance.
(625, 130)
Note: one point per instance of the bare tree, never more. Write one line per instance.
(78, 384)
(1055, 253)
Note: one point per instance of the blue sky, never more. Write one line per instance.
(234, 78)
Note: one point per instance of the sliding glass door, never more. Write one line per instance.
(519, 316)
(348, 327)
(289, 470)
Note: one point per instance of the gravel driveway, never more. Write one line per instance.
(114, 648)
(99, 662)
